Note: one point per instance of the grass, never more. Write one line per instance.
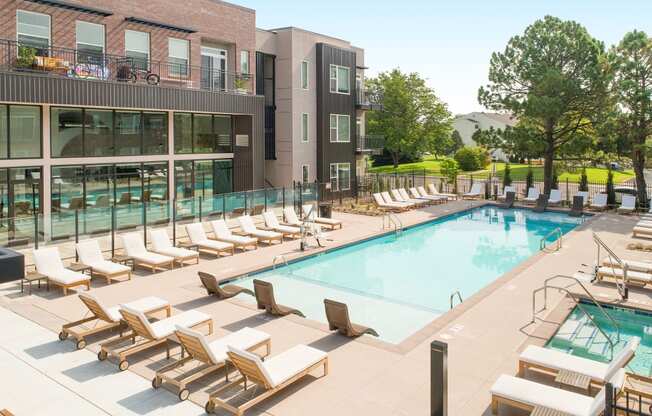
(432, 166)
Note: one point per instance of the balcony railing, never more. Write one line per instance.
(370, 144)
(366, 100)
(79, 64)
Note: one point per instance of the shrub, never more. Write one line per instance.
(584, 181)
(450, 169)
(609, 190)
(529, 180)
(507, 175)
(472, 158)
(555, 178)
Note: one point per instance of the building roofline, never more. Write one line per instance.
(280, 29)
(237, 6)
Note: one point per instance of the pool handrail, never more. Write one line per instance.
(392, 219)
(452, 297)
(622, 288)
(547, 286)
(558, 240)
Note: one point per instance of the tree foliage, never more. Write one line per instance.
(454, 144)
(584, 181)
(472, 158)
(529, 180)
(413, 120)
(507, 175)
(552, 79)
(450, 169)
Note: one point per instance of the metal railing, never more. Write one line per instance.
(278, 258)
(613, 259)
(546, 286)
(369, 144)
(391, 219)
(543, 246)
(78, 64)
(452, 297)
(367, 99)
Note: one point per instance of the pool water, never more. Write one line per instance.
(399, 283)
(578, 336)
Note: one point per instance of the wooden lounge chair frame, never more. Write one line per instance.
(196, 352)
(65, 287)
(98, 315)
(169, 265)
(249, 372)
(337, 314)
(236, 245)
(264, 292)
(266, 240)
(114, 348)
(217, 252)
(213, 288)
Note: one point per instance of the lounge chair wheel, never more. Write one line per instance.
(102, 355)
(184, 394)
(124, 364)
(81, 344)
(63, 335)
(156, 382)
(210, 407)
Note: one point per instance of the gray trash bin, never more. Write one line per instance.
(12, 265)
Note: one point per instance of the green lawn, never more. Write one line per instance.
(518, 171)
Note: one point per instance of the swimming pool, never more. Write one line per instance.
(578, 336)
(399, 283)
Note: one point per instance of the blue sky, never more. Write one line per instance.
(449, 43)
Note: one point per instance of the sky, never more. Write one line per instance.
(449, 43)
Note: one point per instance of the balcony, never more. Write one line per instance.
(372, 145)
(85, 65)
(364, 100)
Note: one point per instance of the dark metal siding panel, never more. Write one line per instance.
(329, 103)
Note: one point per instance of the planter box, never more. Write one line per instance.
(12, 265)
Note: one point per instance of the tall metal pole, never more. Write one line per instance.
(174, 220)
(145, 224)
(113, 231)
(438, 378)
(76, 232)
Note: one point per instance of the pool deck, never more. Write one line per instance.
(367, 376)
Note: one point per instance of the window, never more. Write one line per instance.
(98, 133)
(204, 178)
(202, 133)
(20, 132)
(304, 75)
(4, 132)
(305, 173)
(182, 133)
(33, 29)
(128, 125)
(305, 125)
(340, 79)
(137, 48)
(90, 42)
(155, 133)
(178, 56)
(340, 128)
(244, 62)
(340, 176)
(66, 132)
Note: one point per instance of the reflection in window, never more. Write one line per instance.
(66, 129)
(155, 133)
(182, 133)
(98, 133)
(202, 133)
(4, 132)
(127, 133)
(24, 131)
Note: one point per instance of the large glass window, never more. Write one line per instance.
(340, 175)
(202, 133)
(90, 42)
(137, 48)
(4, 132)
(340, 128)
(66, 132)
(98, 133)
(155, 133)
(33, 29)
(340, 79)
(304, 127)
(24, 132)
(178, 53)
(203, 178)
(20, 200)
(244, 62)
(128, 126)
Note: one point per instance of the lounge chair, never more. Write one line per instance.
(110, 317)
(272, 223)
(475, 192)
(585, 197)
(414, 194)
(419, 201)
(632, 265)
(161, 244)
(272, 375)
(399, 198)
(433, 191)
(628, 204)
(135, 248)
(505, 191)
(532, 196)
(310, 213)
(90, 254)
(555, 197)
(552, 362)
(578, 206)
(388, 200)
(213, 288)
(248, 228)
(599, 202)
(48, 263)
(640, 231)
(437, 197)
(222, 233)
(264, 292)
(198, 237)
(616, 273)
(210, 356)
(528, 395)
(102, 201)
(145, 335)
(393, 206)
(509, 200)
(542, 203)
(337, 314)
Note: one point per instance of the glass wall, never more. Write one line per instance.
(79, 132)
(20, 203)
(20, 131)
(202, 133)
(201, 183)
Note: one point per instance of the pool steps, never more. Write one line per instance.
(584, 338)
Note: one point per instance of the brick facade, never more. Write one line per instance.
(218, 23)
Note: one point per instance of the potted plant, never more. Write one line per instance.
(26, 57)
(241, 85)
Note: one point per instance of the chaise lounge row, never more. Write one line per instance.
(400, 200)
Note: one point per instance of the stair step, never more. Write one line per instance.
(601, 348)
(585, 336)
(568, 330)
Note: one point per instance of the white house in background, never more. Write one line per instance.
(467, 124)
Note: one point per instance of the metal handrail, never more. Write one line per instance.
(279, 257)
(542, 244)
(393, 219)
(545, 287)
(622, 288)
(459, 296)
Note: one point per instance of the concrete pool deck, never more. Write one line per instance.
(367, 376)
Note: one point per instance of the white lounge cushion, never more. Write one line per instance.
(644, 223)
(272, 222)
(475, 190)
(291, 216)
(532, 195)
(239, 239)
(108, 267)
(215, 244)
(599, 201)
(555, 196)
(223, 233)
(67, 277)
(47, 260)
(177, 252)
(144, 305)
(631, 274)
(642, 230)
(423, 193)
(287, 229)
(632, 265)
(287, 364)
(89, 252)
(244, 339)
(247, 225)
(558, 360)
(628, 203)
(152, 258)
(166, 327)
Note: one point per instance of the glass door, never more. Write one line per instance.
(213, 68)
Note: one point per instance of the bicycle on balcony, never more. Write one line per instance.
(131, 70)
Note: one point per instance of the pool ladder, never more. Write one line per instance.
(280, 257)
(613, 259)
(543, 245)
(452, 297)
(390, 219)
(578, 303)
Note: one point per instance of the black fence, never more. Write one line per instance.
(627, 402)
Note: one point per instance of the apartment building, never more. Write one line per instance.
(315, 106)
